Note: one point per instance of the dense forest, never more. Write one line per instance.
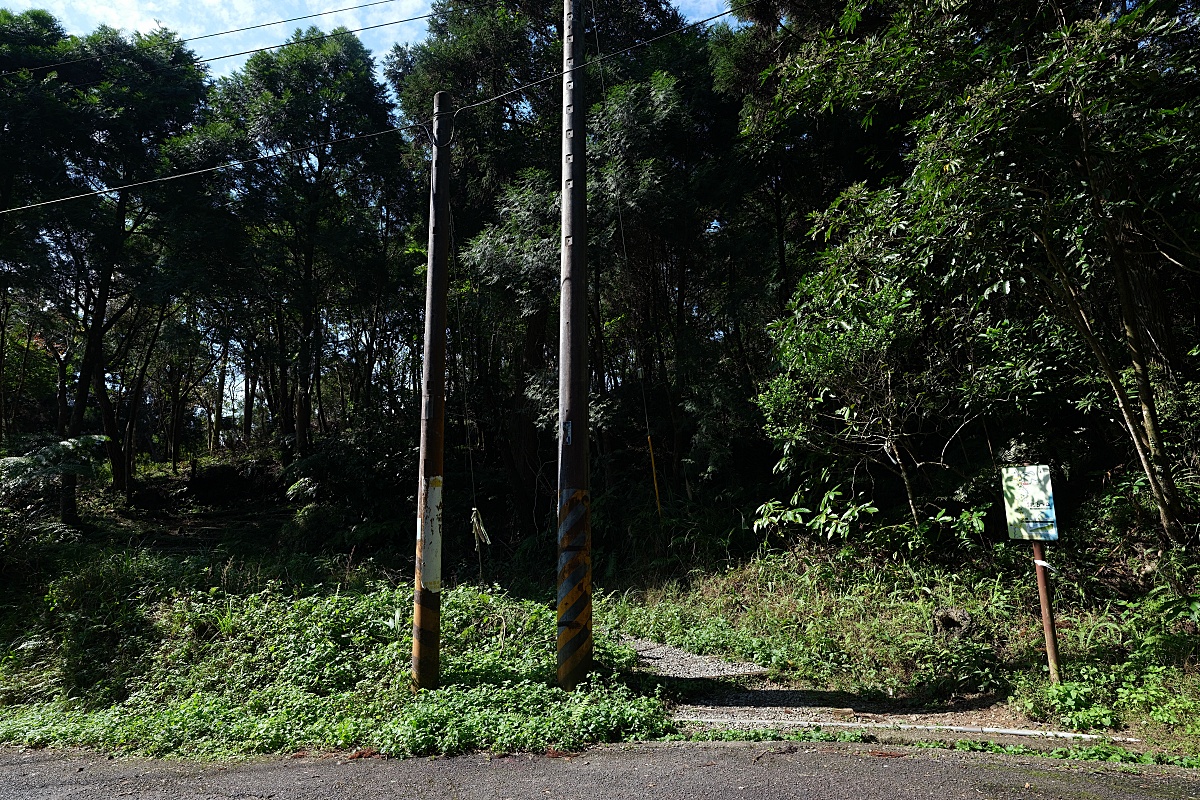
(896, 244)
(847, 260)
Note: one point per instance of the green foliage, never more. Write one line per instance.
(831, 519)
(134, 653)
(25, 539)
(352, 490)
(1026, 163)
(1105, 751)
(837, 623)
(33, 475)
(1136, 667)
(814, 734)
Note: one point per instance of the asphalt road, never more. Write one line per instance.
(755, 771)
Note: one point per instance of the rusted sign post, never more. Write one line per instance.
(1029, 506)
(427, 598)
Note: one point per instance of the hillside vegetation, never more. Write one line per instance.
(846, 261)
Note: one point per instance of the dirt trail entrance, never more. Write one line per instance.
(739, 695)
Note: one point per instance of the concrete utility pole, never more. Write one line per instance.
(574, 500)
(427, 601)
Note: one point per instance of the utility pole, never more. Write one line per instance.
(574, 500)
(427, 599)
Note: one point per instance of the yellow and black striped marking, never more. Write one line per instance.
(574, 588)
(427, 612)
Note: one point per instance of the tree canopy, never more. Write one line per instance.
(847, 259)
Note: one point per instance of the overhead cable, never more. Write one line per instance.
(226, 165)
(415, 125)
(279, 46)
(614, 54)
(219, 33)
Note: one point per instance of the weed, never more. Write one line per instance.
(826, 620)
(126, 664)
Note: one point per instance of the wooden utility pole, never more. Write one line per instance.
(574, 501)
(427, 600)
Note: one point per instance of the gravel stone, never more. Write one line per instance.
(671, 662)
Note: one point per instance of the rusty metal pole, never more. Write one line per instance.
(574, 523)
(427, 600)
(1043, 582)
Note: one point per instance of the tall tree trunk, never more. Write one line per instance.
(93, 353)
(284, 395)
(1169, 501)
(1149, 438)
(19, 389)
(173, 427)
(214, 432)
(306, 358)
(1077, 316)
(597, 353)
(249, 389)
(5, 308)
(523, 457)
(135, 405)
(63, 404)
(322, 423)
(909, 491)
(112, 433)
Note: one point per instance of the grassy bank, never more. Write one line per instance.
(827, 619)
(228, 643)
(162, 654)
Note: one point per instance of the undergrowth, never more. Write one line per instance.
(216, 653)
(1103, 751)
(132, 652)
(831, 621)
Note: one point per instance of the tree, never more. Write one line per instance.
(316, 210)
(1056, 157)
(124, 99)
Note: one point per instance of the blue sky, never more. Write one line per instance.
(192, 18)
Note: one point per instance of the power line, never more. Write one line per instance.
(614, 54)
(415, 125)
(226, 165)
(222, 33)
(279, 46)
(307, 39)
(293, 19)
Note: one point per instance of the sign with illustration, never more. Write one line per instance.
(1029, 503)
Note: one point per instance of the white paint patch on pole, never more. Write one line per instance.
(1029, 503)
(430, 534)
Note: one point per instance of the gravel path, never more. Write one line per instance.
(663, 659)
(759, 703)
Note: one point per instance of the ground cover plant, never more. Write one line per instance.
(144, 651)
(833, 620)
(209, 632)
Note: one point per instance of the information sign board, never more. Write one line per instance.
(1029, 503)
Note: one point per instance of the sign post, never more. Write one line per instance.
(1029, 506)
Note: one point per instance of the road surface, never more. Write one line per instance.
(755, 771)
